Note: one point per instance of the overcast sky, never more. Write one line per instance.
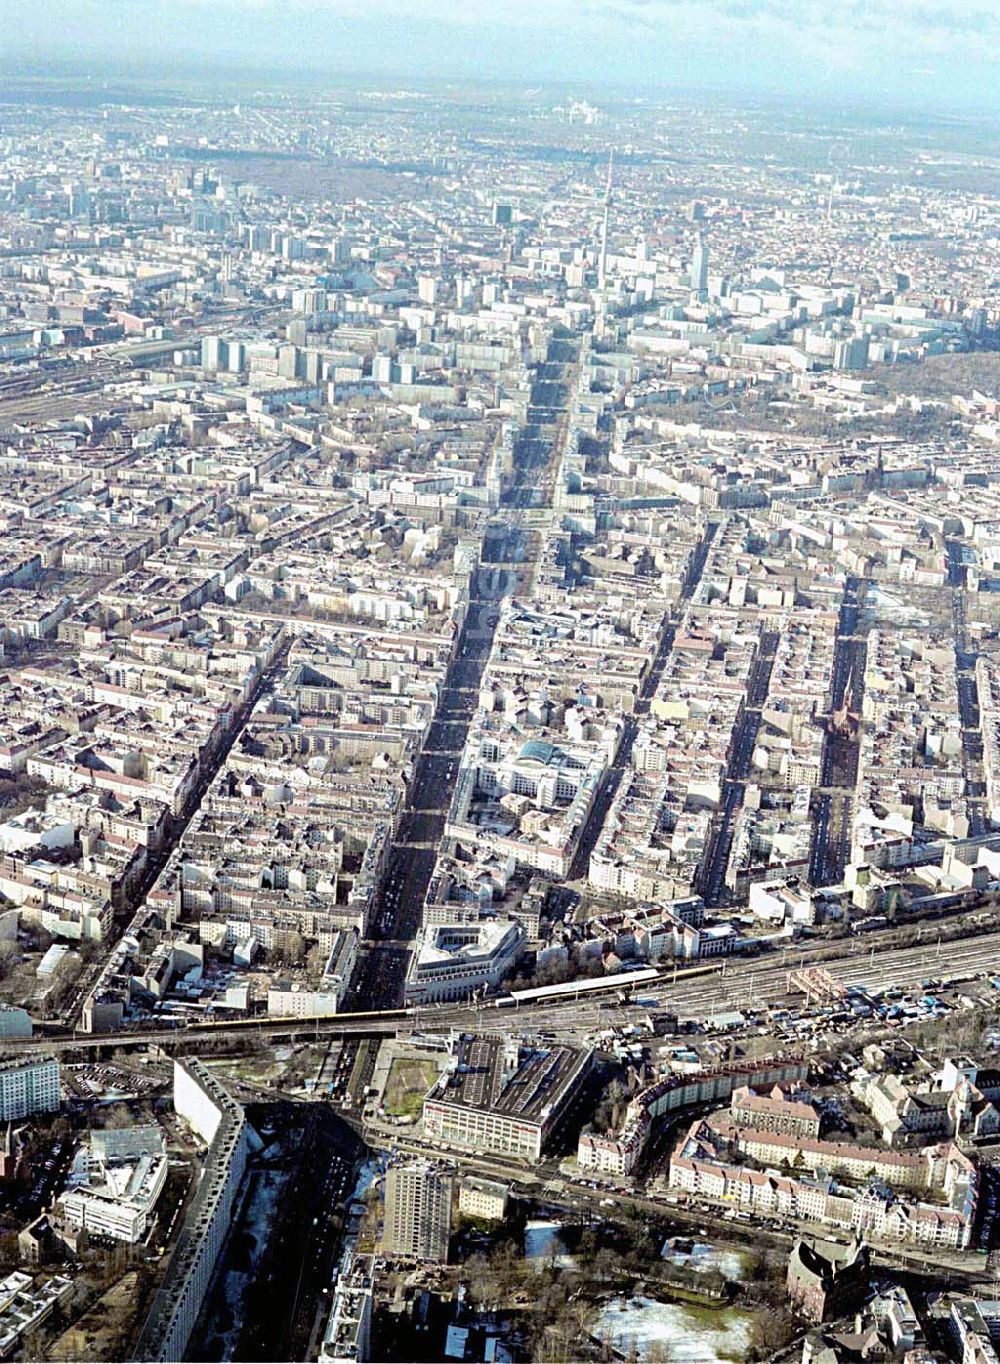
(944, 54)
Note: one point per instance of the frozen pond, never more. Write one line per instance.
(692, 1335)
(543, 1240)
(702, 1258)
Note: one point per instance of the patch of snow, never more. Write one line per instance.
(543, 1240)
(366, 1178)
(886, 603)
(693, 1336)
(703, 1258)
(258, 1216)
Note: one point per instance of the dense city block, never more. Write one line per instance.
(499, 727)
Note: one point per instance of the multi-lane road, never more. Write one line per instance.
(378, 980)
(968, 705)
(833, 804)
(713, 870)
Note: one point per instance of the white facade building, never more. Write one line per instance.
(219, 1120)
(453, 960)
(28, 1086)
(116, 1183)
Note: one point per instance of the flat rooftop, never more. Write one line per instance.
(485, 1077)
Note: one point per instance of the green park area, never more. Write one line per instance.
(408, 1082)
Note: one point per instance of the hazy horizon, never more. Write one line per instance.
(883, 53)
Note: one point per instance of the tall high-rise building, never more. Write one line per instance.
(28, 1084)
(699, 269)
(289, 361)
(417, 1219)
(214, 354)
(851, 353)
